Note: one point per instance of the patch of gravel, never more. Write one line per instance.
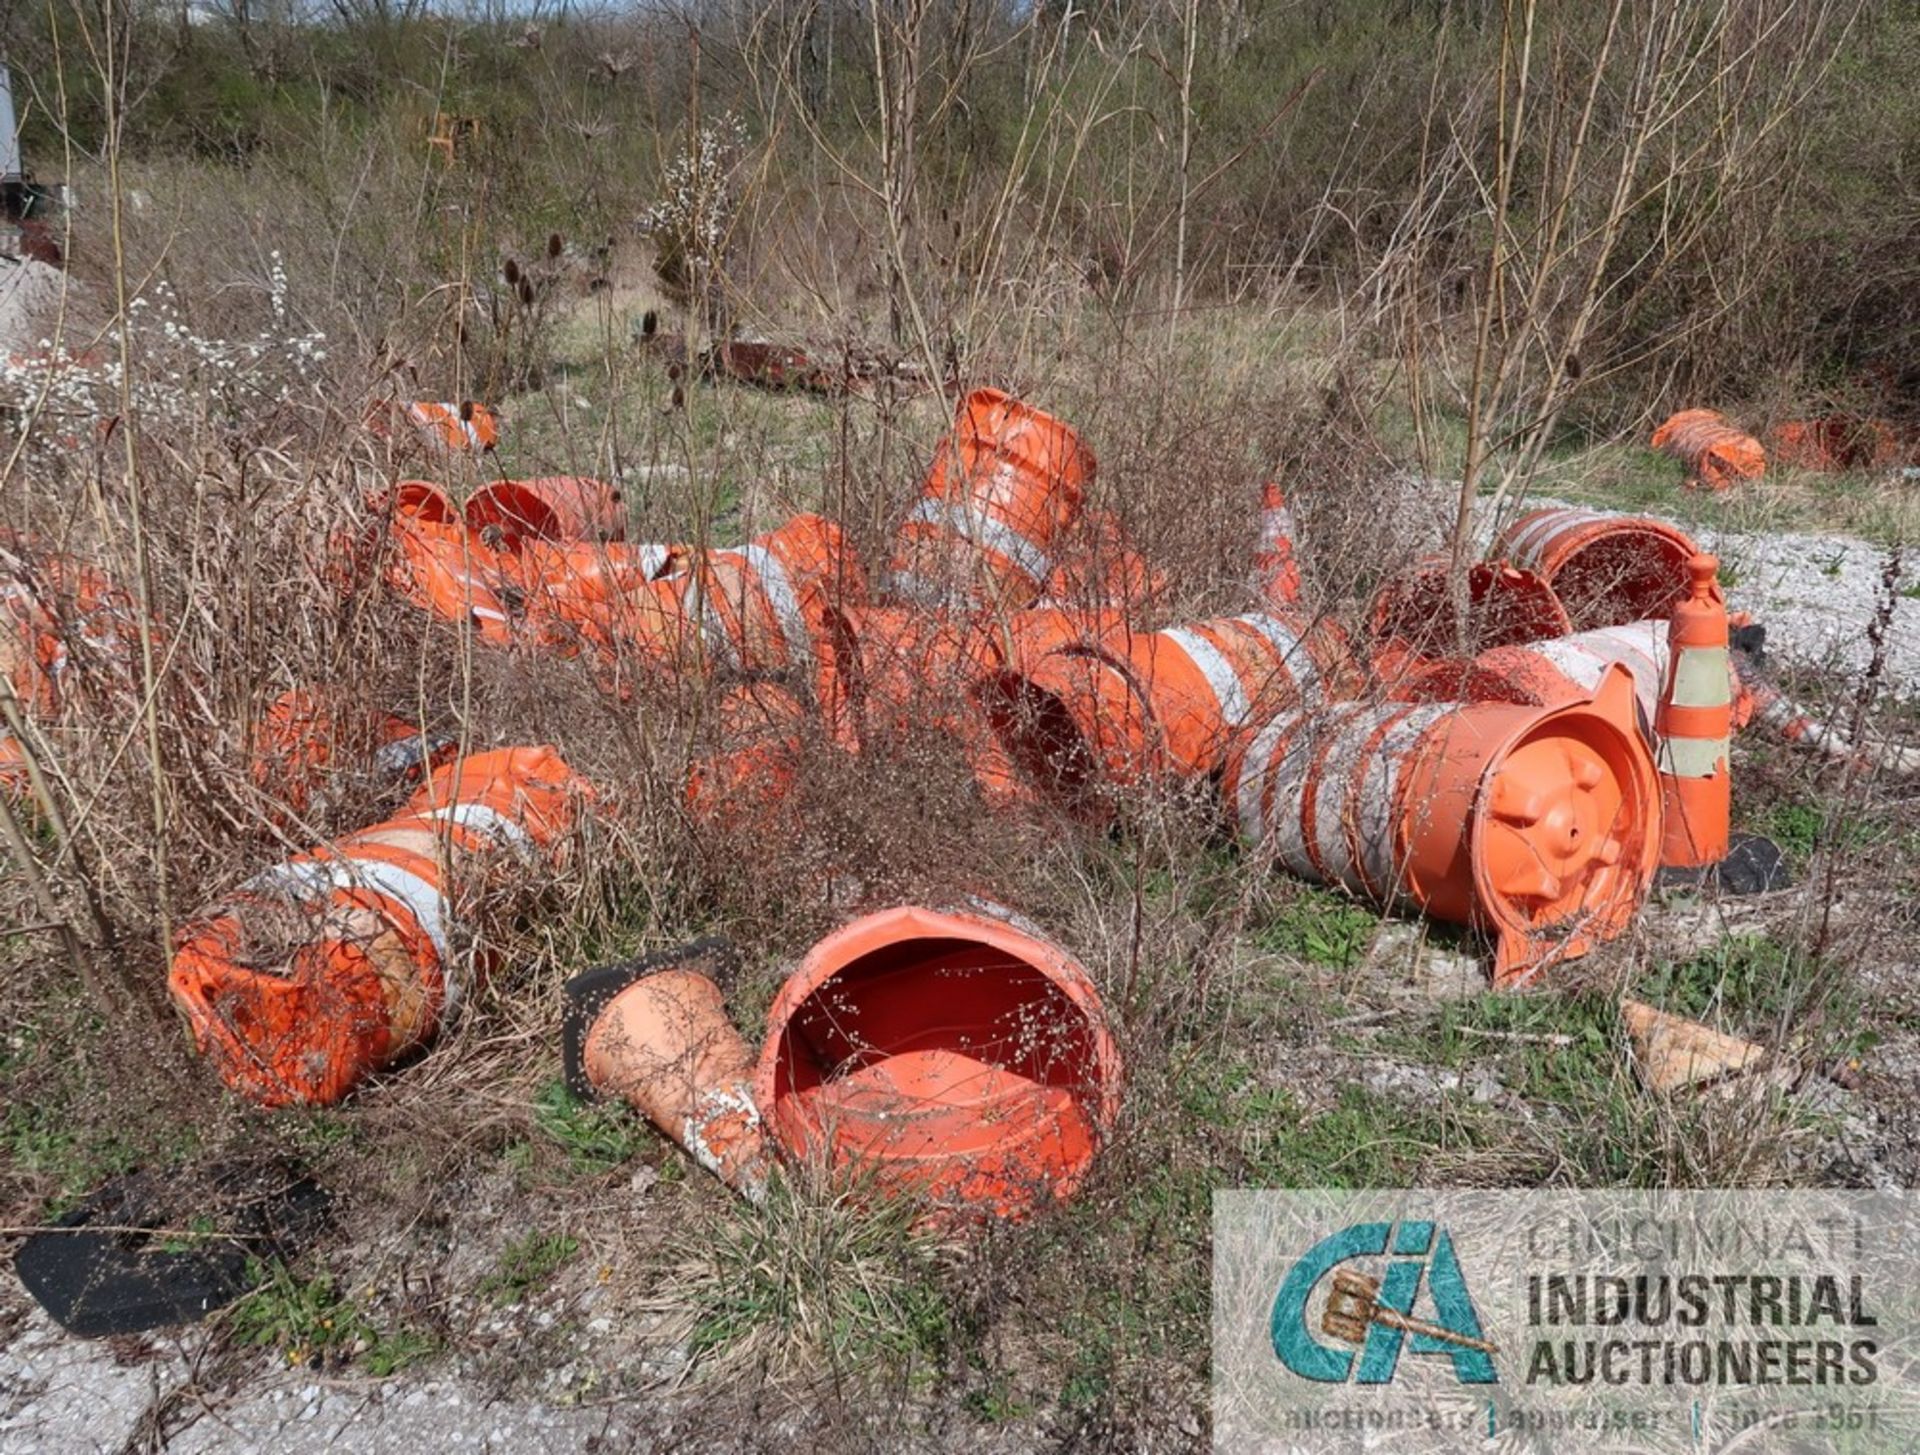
(29, 292)
(66, 1394)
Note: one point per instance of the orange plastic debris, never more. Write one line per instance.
(1607, 569)
(955, 1057)
(326, 969)
(456, 427)
(1004, 488)
(1694, 725)
(1097, 567)
(1835, 442)
(1717, 455)
(1539, 825)
(554, 508)
(307, 734)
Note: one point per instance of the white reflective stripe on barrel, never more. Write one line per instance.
(917, 589)
(486, 820)
(983, 529)
(654, 560)
(780, 596)
(1692, 757)
(1303, 671)
(1525, 548)
(1213, 665)
(421, 898)
(1250, 792)
(712, 626)
(1640, 647)
(1289, 791)
(1376, 815)
(1702, 678)
(1333, 809)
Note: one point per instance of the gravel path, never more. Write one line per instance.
(73, 1395)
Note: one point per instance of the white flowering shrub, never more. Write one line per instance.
(691, 222)
(179, 376)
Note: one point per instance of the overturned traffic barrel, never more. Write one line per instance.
(555, 508)
(1003, 489)
(1412, 615)
(1716, 454)
(1607, 569)
(1140, 705)
(952, 1056)
(1549, 673)
(1539, 826)
(331, 966)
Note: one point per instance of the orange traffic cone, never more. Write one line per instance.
(1539, 825)
(331, 966)
(956, 1057)
(655, 1033)
(1276, 575)
(1694, 724)
(1004, 487)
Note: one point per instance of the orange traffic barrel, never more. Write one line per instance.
(307, 736)
(1694, 725)
(1540, 826)
(1027, 636)
(1097, 566)
(743, 784)
(328, 968)
(1549, 673)
(654, 1033)
(1276, 574)
(1003, 489)
(467, 427)
(1607, 569)
(582, 591)
(65, 627)
(957, 1057)
(1412, 613)
(556, 508)
(1716, 454)
(448, 572)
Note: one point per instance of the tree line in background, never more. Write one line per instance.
(1563, 209)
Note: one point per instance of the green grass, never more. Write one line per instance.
(527, 1264)
(1320, 927)
(311, 1320)
(593, 1135)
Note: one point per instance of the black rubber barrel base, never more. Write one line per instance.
(1754, 865)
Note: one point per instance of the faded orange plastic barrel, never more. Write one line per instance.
(1546, 674)
(1541, 826)
(1607, 569)
(327, 968)
(1002, 492)
(1173, 701)
(1716, 454)
(1412, 613)
(955, 1057)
